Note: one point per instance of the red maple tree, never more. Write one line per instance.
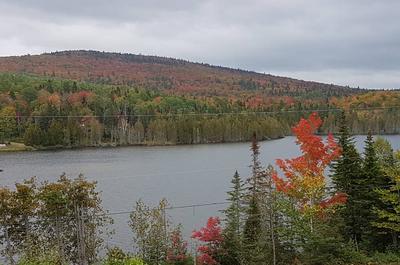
(177, 251)
(211, 236)
(304, 178)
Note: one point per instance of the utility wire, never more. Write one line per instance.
(125, 212)
(201, 114)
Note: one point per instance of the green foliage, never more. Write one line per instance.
(389, 215)
(38, 218)
(93, 114)
(373, 178)
(8, 124)
(55, 134)
(348, 178)
(151, 231)
(232, 233)
(384, 153)
(116, 256)
(48, 258)
(33, 135)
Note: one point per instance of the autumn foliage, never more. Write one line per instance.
(177, 252)
(211, 237)
(304, 178)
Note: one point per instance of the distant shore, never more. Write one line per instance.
(19, 147)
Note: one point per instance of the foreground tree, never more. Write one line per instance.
(347, 178)
(306, 204)
(151, 231)
(211, 238)
(232, 232)
(63, 219)
(305, 181)
(389, 216)
(253, 246)
(177, 249)
(373, 178)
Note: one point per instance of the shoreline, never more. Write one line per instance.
(25, 148)
(20, 147)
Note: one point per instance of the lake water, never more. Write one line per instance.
(185, 175)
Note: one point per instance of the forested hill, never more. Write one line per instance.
(87, 98)
(166, 74)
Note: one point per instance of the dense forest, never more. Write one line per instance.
(87, 98)
(50, 112)
(290, 217)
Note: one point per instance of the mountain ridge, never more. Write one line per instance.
(164, 73)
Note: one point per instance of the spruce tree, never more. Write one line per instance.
(254, 180)
(347, 178)
(389, 217)
(252, 227)
(252, 245)
(373, 180)
(232, 243)
(347, 167)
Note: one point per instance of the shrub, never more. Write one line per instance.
(116, 256)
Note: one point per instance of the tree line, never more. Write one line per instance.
(59, 113)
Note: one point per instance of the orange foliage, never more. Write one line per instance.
(80, 98)
(304, 175)
(168, 74)
(54, 100)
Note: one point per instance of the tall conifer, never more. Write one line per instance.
(252, 227)
(347, 178)
(232, 243)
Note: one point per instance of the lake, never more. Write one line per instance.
(185, 175)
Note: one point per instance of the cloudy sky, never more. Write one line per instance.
(348, 42)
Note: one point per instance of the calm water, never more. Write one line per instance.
(185, 175)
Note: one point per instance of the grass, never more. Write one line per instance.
(14, 147)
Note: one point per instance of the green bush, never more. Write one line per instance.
(50, 258)
(125, 261)
(388, 258)
(116, 256)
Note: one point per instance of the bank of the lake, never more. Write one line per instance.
(18, 147)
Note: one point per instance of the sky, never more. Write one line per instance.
(346, 42)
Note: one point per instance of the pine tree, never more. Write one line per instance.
(346, 177)
(232, 243)
(255, 165)
(252, 227)
(389, 217)
(373, 180)
(269, 214)
(347, 168)
(252, 247)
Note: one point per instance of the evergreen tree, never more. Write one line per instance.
(347, 178)
(253, 253)
(232, 243)
(252, 227)
(389, 217)
(373, 180)
(55, 134)
(347, 168)
(8, 125)
(33, 135)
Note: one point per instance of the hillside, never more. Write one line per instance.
(166, 74)
(86, 98)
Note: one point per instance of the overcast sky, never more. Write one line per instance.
(348, 42)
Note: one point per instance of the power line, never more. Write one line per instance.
(217, 203)
(202, 114)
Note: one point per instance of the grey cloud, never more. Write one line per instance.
(353, 42)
